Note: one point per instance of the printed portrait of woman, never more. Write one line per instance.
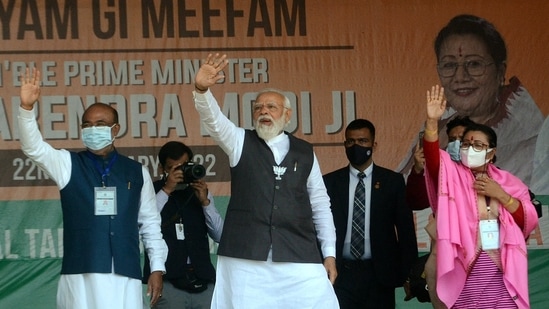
(471, 65)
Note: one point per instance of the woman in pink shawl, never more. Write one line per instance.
(483, 215)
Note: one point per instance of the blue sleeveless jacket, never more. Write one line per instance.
(93, 243)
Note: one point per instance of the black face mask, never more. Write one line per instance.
(358, 155)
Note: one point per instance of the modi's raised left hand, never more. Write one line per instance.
(210, 72)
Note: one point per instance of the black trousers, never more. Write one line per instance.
(357, 288)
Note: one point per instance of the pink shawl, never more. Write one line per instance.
(457, 217)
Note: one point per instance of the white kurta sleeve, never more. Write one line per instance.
(55, 162)
(322, 214)
(149, 221)
(225, 133)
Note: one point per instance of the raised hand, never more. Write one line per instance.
(30, 88)
(208, 74)
(436, 104)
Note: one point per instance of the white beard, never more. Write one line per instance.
(267, 132)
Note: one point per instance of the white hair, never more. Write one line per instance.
(287, 104)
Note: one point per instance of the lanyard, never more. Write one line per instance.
(487, 199)
(103, 172)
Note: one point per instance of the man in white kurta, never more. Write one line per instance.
(248, 283)
(93, 290)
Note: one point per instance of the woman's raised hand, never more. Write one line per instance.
(436, 104)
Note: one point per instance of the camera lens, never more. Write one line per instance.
(193, 172)
(197, 171)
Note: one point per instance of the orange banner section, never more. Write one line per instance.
(337, 60)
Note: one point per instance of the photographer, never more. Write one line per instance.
(188, 217)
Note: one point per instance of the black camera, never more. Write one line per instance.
(192, 172)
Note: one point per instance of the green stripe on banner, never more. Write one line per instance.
(29, 284)
(544, 199)
(31, 251)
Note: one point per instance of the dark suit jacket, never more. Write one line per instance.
(392, 230)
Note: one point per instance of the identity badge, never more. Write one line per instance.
(105, 201)
(489, 234)
(180, 231)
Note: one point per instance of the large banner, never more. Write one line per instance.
(336, 61)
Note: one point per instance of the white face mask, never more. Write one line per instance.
(96, 138)
(472, 158)
(453, 149)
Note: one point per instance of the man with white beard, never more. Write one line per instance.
(277, 249)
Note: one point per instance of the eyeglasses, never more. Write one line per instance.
(359, 141)
(271, 106)
(477, 145)
(471, 67)
(97, 124)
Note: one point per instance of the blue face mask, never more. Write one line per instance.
(453, 149)
(96, 138)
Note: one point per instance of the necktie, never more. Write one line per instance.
(357, 232)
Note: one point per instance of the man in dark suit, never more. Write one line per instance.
(376, 241)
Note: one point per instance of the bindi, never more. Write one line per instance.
(459, 51)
